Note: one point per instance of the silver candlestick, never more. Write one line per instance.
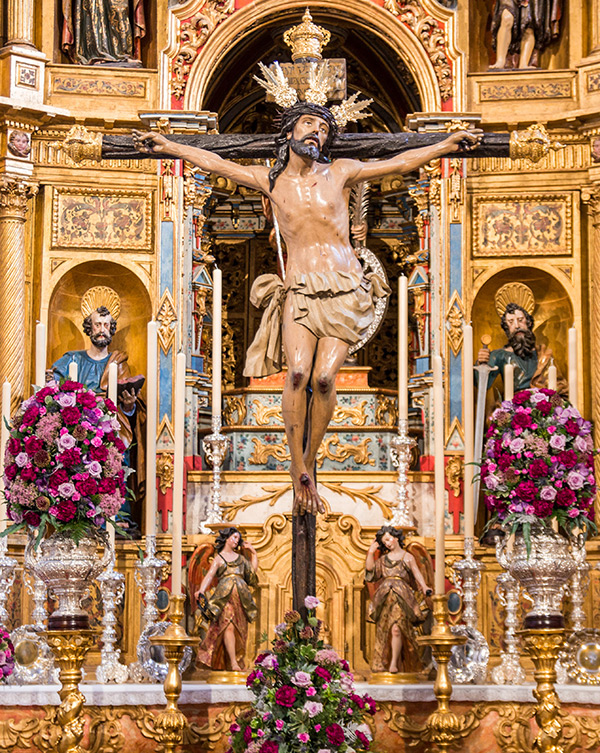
(509, 671)
(112, 588)
(469, 660)
(215, 447)
(37, 588)
(8, 567)
(400, 451)
(149, 574)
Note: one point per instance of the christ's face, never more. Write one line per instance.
(100, 336)
(516, 321)
(309, 136)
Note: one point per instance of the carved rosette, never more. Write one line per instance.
(14, 195)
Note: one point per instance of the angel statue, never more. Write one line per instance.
(399, 601)
(225, 603)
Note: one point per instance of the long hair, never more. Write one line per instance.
(289, 118)
(510, 309)
(397, 533)
(224, 535)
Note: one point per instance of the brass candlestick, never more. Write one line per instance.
(443, 728)
(70, 648)
(171, 723)
(543, 645)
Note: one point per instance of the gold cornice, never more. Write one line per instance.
(203, 477)
(14, 195)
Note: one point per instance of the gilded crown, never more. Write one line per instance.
(307, 39)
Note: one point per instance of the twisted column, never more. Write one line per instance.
(14, 194)
(20, 22)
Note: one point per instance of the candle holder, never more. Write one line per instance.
(401, 446)
(8, 566)
(215, 447)
(509, 671)
(469, 663)
(149, 574)
(443, 728)
(112, 588)
(171, 723)
(70, 648)
(543, 646)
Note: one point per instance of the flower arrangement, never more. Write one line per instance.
(63, 462)
(538, 464)
(7, 655)
(304, 696)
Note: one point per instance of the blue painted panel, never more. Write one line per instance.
(422, 365)
(165, 386)
(456, 258)
(166, 256)
(455, 364)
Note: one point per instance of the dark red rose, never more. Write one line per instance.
(69, 386)
(358, 700)
(572, 428)
(364, 739)
(110, 436)
(33, 445)
(286, 696)
(521, 397)
(110, 405)
(344, 664)
(99, 453)
(108, 486)
(13, 446)
(335, 735)
(589, 514)
(29, 473)
(271, 746)
(522, 420)
(120, 445)
(371, 704)
(42, 394)
(70, 415)
(538, 469)
(86, 399)
(323, 674)
(504, 461)
(568, 458)
(31, 414)
(87, 487)
(260, 657)
(545, 407)
(565, 497)
(542, 508)
(10, 471)
(57, 478)
(66, 511)
(248, 734)
(32, 518)
(70, 457)
(548, 392)
(526, 491)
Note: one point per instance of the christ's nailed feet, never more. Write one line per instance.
(306, 498)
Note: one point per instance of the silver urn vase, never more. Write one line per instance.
(68, 569)
(543, 573)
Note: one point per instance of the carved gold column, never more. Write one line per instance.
(20, 22)
(592, 198)
(14, 194)
(595, 24)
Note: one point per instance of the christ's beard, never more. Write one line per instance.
(305, 149)
(101, 340)
(522, 341)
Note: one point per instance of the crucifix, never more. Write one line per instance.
(323, 303)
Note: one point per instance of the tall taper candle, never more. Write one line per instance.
(552, 376)
(216, 349)
(469, 429)
(573, 396)
(73, 370)
(178, 471)
(4, 434)
(113, 370)
(151, 421)
(440, 502)
(402, 348)
(509, 381)
(40, 354)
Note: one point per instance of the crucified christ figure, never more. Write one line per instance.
(325, 304)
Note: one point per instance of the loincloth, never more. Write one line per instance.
(328, 304)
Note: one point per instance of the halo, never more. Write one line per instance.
(369, 259)
(101, 295)
(514, 292)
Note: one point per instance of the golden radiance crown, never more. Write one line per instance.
(514, 292)
(101, 295)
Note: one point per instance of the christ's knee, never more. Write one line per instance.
(298, 378)
(323, 384)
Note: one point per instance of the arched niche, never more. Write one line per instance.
(553, 313)
(64, 312)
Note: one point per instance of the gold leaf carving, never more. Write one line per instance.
(262, 414)
(454, 322)
(17, 734)
(386, 412)
(359, 452)
(262, 452)
(164, 471)
(166, 316)
(367, 495)
(273, 493)
(234, 404)
(454, 473)
(356, 414)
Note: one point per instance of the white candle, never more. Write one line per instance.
(73, 371)
(440, 502)
(4, 434)
(469, 430)
(40, 354)
(509, 381)
(402, 348)
(573, 396)
(552, 376)
(112, 395)
(151, 421)
(216, 349)
(178, 471)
